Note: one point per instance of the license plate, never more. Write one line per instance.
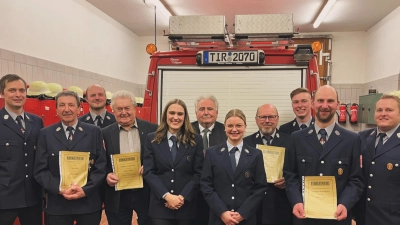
(230, 57)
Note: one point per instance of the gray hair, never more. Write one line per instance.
(68, 93)
(123, 94)
(211, 97)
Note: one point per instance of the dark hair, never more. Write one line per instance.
(9, 78)
(186, 135)
(298, 91)
(68, 93)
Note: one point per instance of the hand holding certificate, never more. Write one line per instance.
(319, 197)
(74, 167)
(126, 167)
(273, 161)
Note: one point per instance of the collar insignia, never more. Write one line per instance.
(222, 149)
(88, 118)
(337, 132)
(108, 117)
(6, 117)
(58, 129)
(294, 123)
(247, 151)
(310, 131)
(80, 128)
(257, 135)
(373, 132)
(27, 117)
(277, 135)
(398, 135)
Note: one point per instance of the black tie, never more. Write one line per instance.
(205, 138)
(268, 139)
(379, 146)
(322, 140)
(232, 156)
(19, 121)
(70, 135)
(99, 123)
(303, 126)
(174, 148)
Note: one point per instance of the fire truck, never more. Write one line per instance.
(256, 63)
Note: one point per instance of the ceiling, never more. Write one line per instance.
(346, 15)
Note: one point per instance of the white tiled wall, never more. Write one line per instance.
(32, 69)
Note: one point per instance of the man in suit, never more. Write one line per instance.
(76, 203)
(128, 134)
(20, 194)
(98, 115)
(213, 133)
(380, 202)
(301, 104)
(275, 207)
(324, 149)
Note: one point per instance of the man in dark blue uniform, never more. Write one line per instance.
(76, 203)
(98, 115)
(20, 194)
(324, 149)
(275, 207)
(380, 202)
(301, 104)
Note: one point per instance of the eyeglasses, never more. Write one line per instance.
(270, 118)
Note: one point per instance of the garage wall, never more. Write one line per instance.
(69, 32)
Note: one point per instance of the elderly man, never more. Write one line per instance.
(128, 134)
(20, 194)
(324, 149)
(380, 202)
(275, 207)
(301, 104)
(79, 203)
(98, 115)
(213, 133)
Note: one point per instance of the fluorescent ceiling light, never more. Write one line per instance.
(160, 7)
(328, 6)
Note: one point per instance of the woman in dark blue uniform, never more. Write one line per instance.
(233, 180)
(173, 162)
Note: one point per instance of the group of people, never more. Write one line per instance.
(204, 172)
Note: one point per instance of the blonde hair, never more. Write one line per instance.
(236, 112)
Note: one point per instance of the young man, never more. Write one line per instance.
(20, 194)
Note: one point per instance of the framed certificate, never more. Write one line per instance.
(74, 167)
(273, 161)
(126, 167)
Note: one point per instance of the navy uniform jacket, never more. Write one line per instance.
(380, 203)
(111, 141)
(52, 139)
(225, 191)
(178, 177)
(108, 119)
(276, 208)
(307, 157)
(217, 135)
(292, 126)
(18, 188)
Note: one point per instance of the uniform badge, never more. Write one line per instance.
(222, 149)
(188, 159)
(6, 117)
(257, 135)
(27, 117)
(247, 174)
(294, 123)
(108, 117)
(389, 166)
(92, 161)
(312, 122)
(310, 131)
(373, 132)
(277, 135)
(247, 151)
(88, 118)
(337, 132)
(58, 129)
(80, 128)
(340, 171)
(398, 135)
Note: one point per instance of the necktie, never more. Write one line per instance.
(174, 148)
(205, 138)
(70, 135)
(99, 123)
(379, 146)
(268, 139)
(232, 156)
(19, 121)
(322, 140)
(303, 126)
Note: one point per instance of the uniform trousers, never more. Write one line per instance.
(27, 215)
